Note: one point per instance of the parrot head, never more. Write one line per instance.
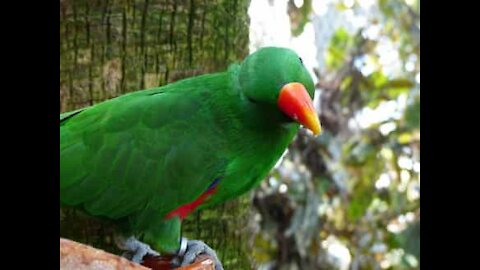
(276, 77)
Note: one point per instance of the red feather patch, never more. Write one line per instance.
(186, 209)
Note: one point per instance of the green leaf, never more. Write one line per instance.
(358, 153)
(377, 79)
(341, 7)
(374, 102)
(358, 205)
(299, 17)
(396, 87)
(409, 239)
(386, 8)
(412, 115)
(400, 83)
(346, 83)
(339, 45)
(361, 198)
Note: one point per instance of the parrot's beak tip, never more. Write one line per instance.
(313, 124)
(317, 132)
(296, 103)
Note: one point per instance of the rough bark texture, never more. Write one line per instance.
(111, 47)
(108, 48)
(77, 256)
(74, 255)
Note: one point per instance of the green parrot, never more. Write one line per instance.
(147, 159)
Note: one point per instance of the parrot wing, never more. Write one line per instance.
(65, 116)
(154, 149)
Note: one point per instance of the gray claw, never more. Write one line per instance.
(190, 249)
(136, 247)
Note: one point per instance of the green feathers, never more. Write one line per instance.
(142, 155)
(263, 74)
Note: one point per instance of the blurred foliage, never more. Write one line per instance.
(350, 198)
(337, 50)
(299, 15)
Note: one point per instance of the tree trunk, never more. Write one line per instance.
(111, 47)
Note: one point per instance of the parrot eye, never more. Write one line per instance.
(252, 100)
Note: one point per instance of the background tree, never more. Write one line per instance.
(349, 199)
(108, 48)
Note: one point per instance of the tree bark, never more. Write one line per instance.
(111, 47)
(77, 256)
(74, 255)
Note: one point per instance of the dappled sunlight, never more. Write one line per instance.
(365, 167)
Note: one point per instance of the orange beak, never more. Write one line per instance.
(295, 102)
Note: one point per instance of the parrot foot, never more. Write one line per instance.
(136, 249)
(190, 249)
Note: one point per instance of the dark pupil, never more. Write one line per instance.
(252, 100)
(301, 61)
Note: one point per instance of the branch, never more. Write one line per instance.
(74, 255)
(77, 256)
